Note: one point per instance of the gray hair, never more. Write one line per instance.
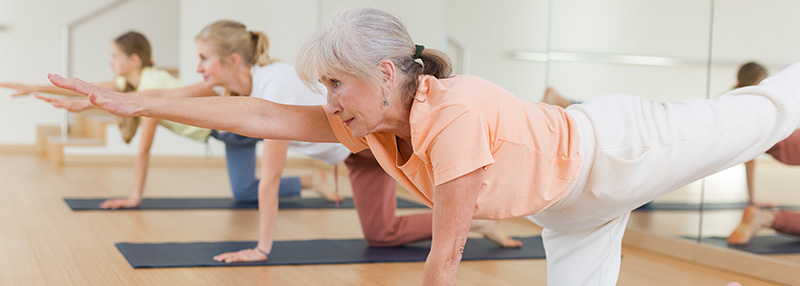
(355, 43)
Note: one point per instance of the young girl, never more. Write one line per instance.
(132, 64)
(237, 59)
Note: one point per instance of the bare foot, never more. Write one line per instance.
(753, 219)
(552, 97)
(488, 228)
(317, 181)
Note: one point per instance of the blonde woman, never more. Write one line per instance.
(237, 59)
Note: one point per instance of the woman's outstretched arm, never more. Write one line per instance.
(147, 133)
(273, 160)
(247, 116)
(25, 89)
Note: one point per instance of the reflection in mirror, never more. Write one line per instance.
(765, 32)
(583, 49)
(635, 47)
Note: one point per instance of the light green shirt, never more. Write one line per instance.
(153, 78)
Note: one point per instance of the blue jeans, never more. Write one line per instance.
(240, 157)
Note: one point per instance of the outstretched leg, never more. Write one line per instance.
(585, 257)
(637, 150)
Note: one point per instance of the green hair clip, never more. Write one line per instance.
(418, 53)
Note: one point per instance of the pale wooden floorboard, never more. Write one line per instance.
(42, 242)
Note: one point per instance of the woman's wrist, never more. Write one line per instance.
(266, 254)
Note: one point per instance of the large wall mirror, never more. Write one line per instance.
(660, 50)
(583, 49)
(766, 32)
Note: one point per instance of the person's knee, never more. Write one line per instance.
(244, 196)
(380, 238)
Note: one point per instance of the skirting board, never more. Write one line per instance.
(175, 161)
(745, 263)
(19, 149)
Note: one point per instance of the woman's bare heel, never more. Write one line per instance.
(489, 230)
(552, 97)
(317, 181)
(753, 219)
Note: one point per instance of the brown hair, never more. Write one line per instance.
(135, 43)
(750, 73)
(355, 43)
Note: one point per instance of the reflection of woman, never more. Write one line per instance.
(237, 59)
(469, 149)
(133, 67)
(756, 217)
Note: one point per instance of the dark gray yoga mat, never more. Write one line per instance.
(224, 203)
(773, 244)
(656, 206)
(306, 252)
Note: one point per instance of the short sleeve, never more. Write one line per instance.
(456, 142)
(120, 81)
(344, 136)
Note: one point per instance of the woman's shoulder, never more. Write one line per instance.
(275, 69)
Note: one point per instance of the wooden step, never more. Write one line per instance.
(89, 130)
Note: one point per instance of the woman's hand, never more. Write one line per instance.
(244, 255)
(115, 102)
(21, 89)
(68, 103)
(127, 203)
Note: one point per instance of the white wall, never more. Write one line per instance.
(743, 30)
(31, 48)
(491, 30)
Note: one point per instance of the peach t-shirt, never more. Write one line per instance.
(529, 150)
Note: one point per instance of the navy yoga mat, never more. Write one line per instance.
(323, 251)
(773, 244)
(224, 203)
(656, 206)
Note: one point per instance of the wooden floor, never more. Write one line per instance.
(42, 242)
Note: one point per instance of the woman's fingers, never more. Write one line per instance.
(108, 204)
(118, 203)
(226, 257)
(47, 99)
(55, 102)
(20, 89)
(244, 255)
(74, 84)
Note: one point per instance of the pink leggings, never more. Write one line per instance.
(787, 222)
(375, 201)
(788, 150)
